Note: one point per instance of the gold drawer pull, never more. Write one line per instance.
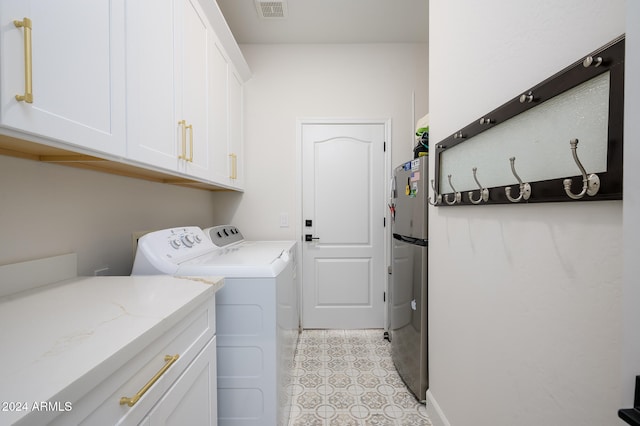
(28, 67)
(234, 166)
(190, 159)
(183, 141)
(169, 360)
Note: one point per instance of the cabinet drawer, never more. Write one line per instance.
(102, 404)
(192, 398)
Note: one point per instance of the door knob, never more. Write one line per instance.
(309, 237)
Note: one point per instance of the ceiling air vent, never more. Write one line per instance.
(271, 9)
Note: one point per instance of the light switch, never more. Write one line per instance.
(284, 220)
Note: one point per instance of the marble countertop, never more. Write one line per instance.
(84, 328)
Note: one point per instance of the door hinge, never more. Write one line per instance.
(384, 146)
(384, 222)
(384, 296)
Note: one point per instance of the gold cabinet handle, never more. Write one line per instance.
(234, 166)
(190, 159)
(169, 360)
(28, 66)
(183, 140)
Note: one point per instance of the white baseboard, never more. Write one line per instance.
(434, 412)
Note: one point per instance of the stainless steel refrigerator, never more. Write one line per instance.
(409, 267)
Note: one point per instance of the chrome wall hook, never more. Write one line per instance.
(457, 196)
(590, 183)
(591, 61)
(525, 188)
(437, 197)
(526, 98)
(484, 192)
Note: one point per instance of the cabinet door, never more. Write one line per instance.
(77, 70)
(192, 400)
(218, 114)
(235, 131)
(193, 79)
(152, 128)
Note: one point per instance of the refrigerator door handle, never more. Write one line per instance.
(411, 240)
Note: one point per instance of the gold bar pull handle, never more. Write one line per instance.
(183, 140)
(190, 159)
(169, 360)
(234, 166)
(28, 64)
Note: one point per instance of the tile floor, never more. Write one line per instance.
(347, 378)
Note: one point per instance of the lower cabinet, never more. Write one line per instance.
(188, 401)
(169, 381)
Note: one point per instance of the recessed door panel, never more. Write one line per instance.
(343, 189)
(343, 282)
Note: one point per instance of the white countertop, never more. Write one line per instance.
(84, 328)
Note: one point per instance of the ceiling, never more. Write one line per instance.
(330, 21)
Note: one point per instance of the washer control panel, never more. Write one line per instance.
(176, 244)
(223, 235)
(186, 239)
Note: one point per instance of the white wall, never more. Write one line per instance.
(525, 300)
(48, 209)
(322, 81)
(631, 211)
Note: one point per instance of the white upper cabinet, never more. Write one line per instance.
(167, 43)
(182, 102)
(218, 113)
(193, 104)
(236, 144)
(225, 120)
(154, 84)
(64, 60)
(153, 133)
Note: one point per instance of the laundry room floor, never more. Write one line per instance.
(347, 378)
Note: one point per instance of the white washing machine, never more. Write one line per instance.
(257, 314)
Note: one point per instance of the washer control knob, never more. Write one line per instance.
(198, 238)
(175, 243)
(188, 240)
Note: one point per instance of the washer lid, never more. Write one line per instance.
(245, 259)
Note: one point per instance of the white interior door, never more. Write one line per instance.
(343, 197)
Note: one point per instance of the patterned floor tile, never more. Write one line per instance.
(347, 378)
